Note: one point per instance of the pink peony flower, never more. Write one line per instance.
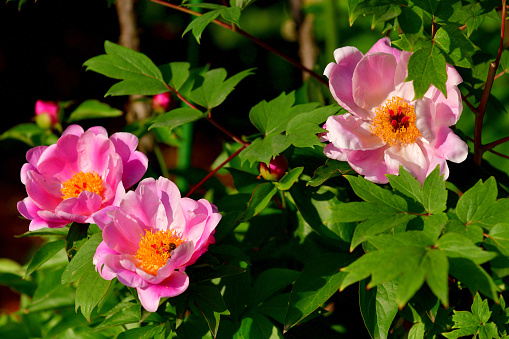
(150, 239)
(162, 102)
(81, 174)
(46, 113)
(276, 169)
(385, 127)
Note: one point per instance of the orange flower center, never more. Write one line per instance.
(89, 181)
(394, 122)
(155, 249)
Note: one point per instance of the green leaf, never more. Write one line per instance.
(175, 74)
(75, 238)
(472, 232)
(263, 150)
(473, 276)
(123, 313)
(145, 332)
(24, 132)
(331, 169)
(455, 46)
(378, 308)
(272, 117)
(177, 117)
(271, 281)
(45, 231)
(458, 246)
(434, 193)
(302, 130)
(259, 200)
(437, 277)
(17, 283)
(373, 193)
(256, 326)
(82, 260)
(417, 331)
(499, 238)
(289, 179)
(209, 301)
(90, 291)
(139, 74)
(93, 109)
(406, 184)
(479, 206)
(434, 225)
(46, 252)
(319, 280)
(376, 225)
(426, 67)
(199, 24)
(215, 89)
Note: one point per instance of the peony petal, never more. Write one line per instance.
(340, 78)
(100, 255)
(124, 234)
(349, 132)
(413, 157)
(45, 192)
(451, 146)
(78, 209)
(384, 46)
(135, 163)
(373, 80)
(93, 152)
(333, 152)
(73, 130)
(126, 277)
(425, 122)
(372, 164)
(150, 296)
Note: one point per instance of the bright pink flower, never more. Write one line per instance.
(276, 169)
(162, 102)
(81, 174)
(150, 239)
(384, 127)
(46, 110)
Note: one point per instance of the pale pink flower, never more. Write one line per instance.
(385, 127)
(81, 174)
(47, 109)
(150, 239)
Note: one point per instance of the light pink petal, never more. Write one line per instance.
(98, 130)
(150, 296)
(169, 195)
(340, 78)
(34, 154)
(131, 204)
(373, 80)
(384, 46)
(45, 192)
(93, 152)
(349, 132)
(124, 234)
(202, 249)
(333, 152)
(24, 169)
(80, 208)
(39, 223)
(100, 255)
(413, 158)
(60, 160)
(74, 130)
(371, 164)
(102, 217)
(151, 209)
(135, 163)
(28, 208)
(425, 122)
(451, 146)
(126, 277)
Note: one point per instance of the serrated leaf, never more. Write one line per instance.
(406, 184)
(473, 276)
(455, 46)
(499, 237)
(259, 200)
(479, 206)
(199, 24)
(175, 74)
(457, 246)
(46, 252)
(289, 179)
(426, 66)
(302, 130)
(434, 193)
(90, 291)
(434, 225)
(82, 260)
(256, 326)
(263, 150)
(177, 117)
(319, 280)
(93, 109)
(378, 308)
(215, 88)
(138, 72)
(209, 301)
(370, 192)
(417, 331)
(437, 268)
(145, 332)
(123, 314)
(272, 117)
(331, 169)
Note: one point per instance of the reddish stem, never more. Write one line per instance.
(233, 28)
(215, 170)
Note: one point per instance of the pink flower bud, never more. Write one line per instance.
(162, 103)
(276, 169)
(46, 113)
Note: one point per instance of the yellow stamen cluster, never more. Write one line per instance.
(155, 249)
(394, 122)
(89, 181)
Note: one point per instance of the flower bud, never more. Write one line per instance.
(276, 169)
(46, 114)
(162, 103)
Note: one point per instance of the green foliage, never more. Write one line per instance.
(198, 25)
(93, 109)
